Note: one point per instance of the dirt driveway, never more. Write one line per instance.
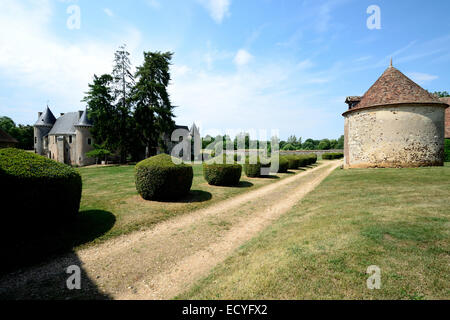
(165, 260)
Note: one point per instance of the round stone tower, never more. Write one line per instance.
(84, 142)
(395, 124)
(42, 127)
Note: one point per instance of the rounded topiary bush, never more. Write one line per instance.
(283, 165)
(158, 178)
(252, 170)
(222, 174)
(293, 162)
(36, 189)
(332, 155)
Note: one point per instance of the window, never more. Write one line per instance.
(89, 141)
(70, 139)
(35, 139)
(56, 139)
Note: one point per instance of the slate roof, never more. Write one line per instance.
(5, 137)
(84, 120)
(65, 124)
(393, 87)
(46, 119)
(194, 130)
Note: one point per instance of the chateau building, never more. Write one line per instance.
(66, 139)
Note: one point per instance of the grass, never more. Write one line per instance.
(113, 189)
(397, 219)
(110, 207)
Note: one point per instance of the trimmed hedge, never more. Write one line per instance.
(332, 156)
(222, 174)
(252, 170)
(36, 189)
(283, 165)
(293, 161)
(447, 150)
(158, 178)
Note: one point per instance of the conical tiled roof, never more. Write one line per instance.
(84, 120)
(46, 119)
(393, 87)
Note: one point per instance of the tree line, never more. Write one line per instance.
(292, 143)
(131, 110)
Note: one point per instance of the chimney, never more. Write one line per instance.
(39, 114)
(80, 113)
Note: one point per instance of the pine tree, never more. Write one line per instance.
(153, 110)
(102, 111)
(123, 80)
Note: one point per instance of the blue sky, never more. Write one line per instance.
(238, 64)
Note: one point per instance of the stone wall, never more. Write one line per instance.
(299, 152)
(394, 136)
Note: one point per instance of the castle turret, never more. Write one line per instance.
(42, 127)
(84, 141)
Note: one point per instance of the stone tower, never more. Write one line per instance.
(42, 127)
(84, 142)
(395, 124)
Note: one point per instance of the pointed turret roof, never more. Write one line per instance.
(194, 130)
(46, 119)
(84, 120)
(393, 87)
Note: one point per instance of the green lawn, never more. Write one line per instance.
(110, 206)
(112, 189)
(397, 219)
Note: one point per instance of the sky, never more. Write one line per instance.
(238, 65)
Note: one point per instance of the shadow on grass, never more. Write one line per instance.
(270, 176)
(243, 184)
(37, 246)
(22, 247)
(192, 197)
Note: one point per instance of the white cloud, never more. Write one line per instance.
(218, 9)
(242, 57)
(153, 3)
(421, 77)
(262, 96)
(108, 12)
(53, 68)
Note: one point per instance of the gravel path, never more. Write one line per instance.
(165, 260)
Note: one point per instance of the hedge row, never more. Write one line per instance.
(219, 172)
(36, 189)
(296, 161)
(332, 156)
(158, 178)
(447, 150)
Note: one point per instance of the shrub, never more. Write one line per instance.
(158, 178)
(447, 150)
(303, 160)
(332, 156)
(37, 189)
(283, 165)
(222, 174)
(307, 159)
(253, 170)
(293, 161)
